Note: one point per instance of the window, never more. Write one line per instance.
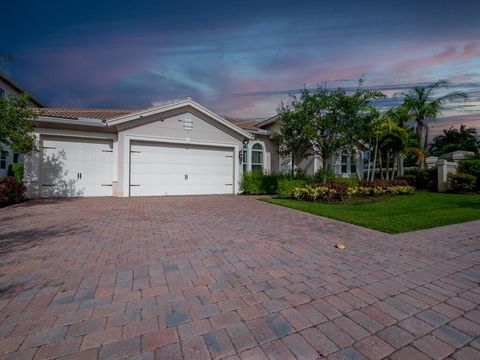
(348, 163)
(257, 157)
(2, 93)
(245, 158)
(16, 158)
(3, 159)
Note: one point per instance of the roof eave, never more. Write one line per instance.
(268, 121)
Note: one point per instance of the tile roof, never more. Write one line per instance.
(75, 114)
(107, 114)
(243, 124)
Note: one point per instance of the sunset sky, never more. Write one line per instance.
(240, 58)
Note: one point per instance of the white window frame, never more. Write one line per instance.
(245, 158)
(262, 151)
(350, 163)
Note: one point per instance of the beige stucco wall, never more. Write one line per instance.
(270, 156)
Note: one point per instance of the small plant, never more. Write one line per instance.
(11, 191)
(462, 183)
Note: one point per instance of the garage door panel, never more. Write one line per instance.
(169, 169)
(77, 167)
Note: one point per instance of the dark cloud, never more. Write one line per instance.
(237, 57)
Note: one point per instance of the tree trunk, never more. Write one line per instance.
(387, 165)
(325, 167)
(380, 163)
(402, 172)
(375, 159)
(425, 147)
(293, 165)
(369, 162)
(357, 167)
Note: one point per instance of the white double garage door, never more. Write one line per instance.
(84, 167)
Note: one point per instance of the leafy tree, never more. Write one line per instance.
(423, 106)
(17, 124)
(292, 138)
(455, 139)
(325, 122)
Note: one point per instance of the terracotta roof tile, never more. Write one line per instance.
(243, 124)
(74, 114)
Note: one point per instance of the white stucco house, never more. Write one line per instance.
(177, 148)
(7, 156)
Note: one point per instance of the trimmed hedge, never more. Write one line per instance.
(462, 183)
(11, 191)
(422, 179)
(472, 167)
(259, 183)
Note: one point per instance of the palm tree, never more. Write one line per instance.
(423, 106)
(455, 139)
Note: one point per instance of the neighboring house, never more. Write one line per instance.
(177, 148)
(7, 156)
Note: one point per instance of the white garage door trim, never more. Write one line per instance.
(165, 168)
(73, 166)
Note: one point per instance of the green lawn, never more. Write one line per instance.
(421, 210)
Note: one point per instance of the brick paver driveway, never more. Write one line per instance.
(229, 277)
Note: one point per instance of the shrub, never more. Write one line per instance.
(324, 174)
(331, 178)
(424, 179)
(342, 192)
(258, 183)
(462, 183)
(384, 184)
(410, 179)
(16, 170)
(472, 167)
(285, 186)
(11, 191)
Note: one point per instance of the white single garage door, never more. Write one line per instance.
(76, 167)
(167, 169)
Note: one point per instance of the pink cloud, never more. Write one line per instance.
(448, 54)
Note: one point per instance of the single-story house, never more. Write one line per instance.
(177, 148)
